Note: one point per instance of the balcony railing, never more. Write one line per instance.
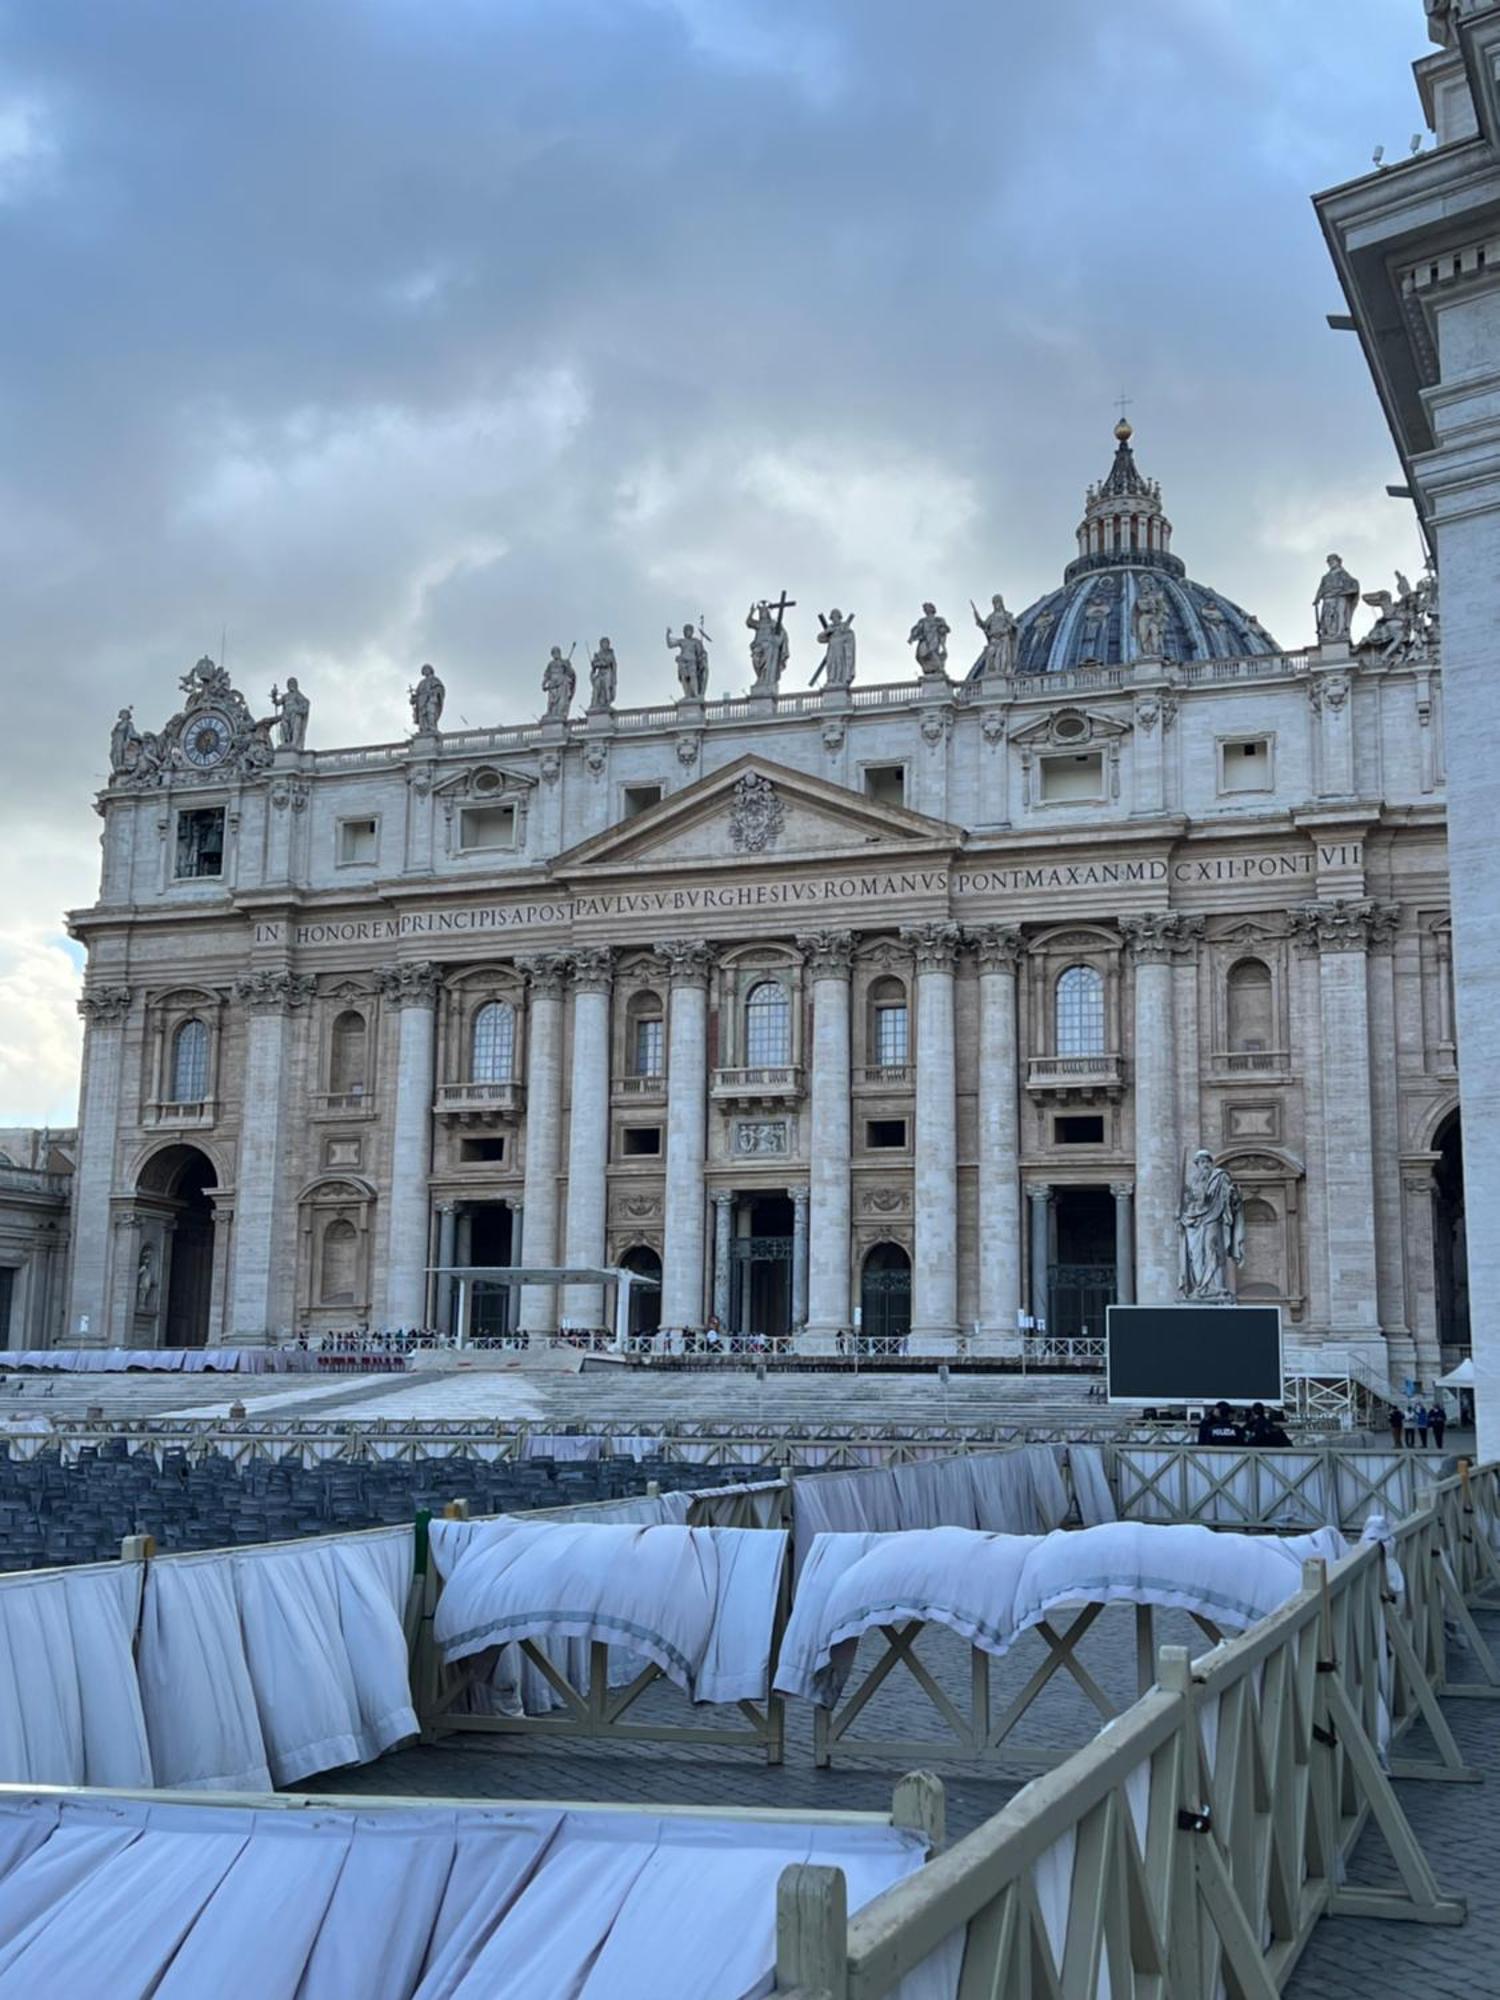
(479, 1100)
(183, 1113)
(642, 1086)
(780, 1080)
(1251, 1062)
(1083, 1075)
(357, 1103)
(887, 1076)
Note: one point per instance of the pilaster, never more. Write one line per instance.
(997, 952)
(270, 995)
(546, 982)
(1155, 940)
(829, 955)
(588, 1133)
(934, 1328)
(410, 991)
(689, 961)
(104, 1009)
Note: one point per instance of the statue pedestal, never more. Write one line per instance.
(1332, 653)
(690, 713)
(935, 687)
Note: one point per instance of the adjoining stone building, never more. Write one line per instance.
(36, 1168)
(890, 1006)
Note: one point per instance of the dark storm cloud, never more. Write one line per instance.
(379, 330)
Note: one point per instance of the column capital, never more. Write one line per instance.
(593, 969)
(800, 1197)
(1122, 1190)
(1347, 923)
(102, 1006)
(274, 992)
(1158, 936)
(689, 961)
(829, 954)
(935, 946)
(722, 1197)
(1039, 1191)
(448, 1207)
(996, 947)
(545, 973)
(413, 983)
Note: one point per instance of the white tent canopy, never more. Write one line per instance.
(465, 1276)
(1461, 1377)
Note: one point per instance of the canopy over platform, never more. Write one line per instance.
(466, 1276)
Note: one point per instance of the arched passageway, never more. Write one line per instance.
(1450, 1253)
(173, 1281)
(885, 1295)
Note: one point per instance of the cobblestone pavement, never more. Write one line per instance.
(1360, 1958)
(509, 1767)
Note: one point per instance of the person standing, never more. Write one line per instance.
(1395, 1422)
(1410, 1425)
(1422, 1424)
(1437, 1418)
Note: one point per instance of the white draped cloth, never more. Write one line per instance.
(1015, 1492)
(992, 1588)
(131, 1900)
(70, 1713)
(700, 1603)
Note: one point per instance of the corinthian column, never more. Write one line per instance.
(689, 963)
(828, 955)
(1154, 940)
(934, 1321)
(1342, 931)
(588, 1133)
(104, 1009)
(997, 951)
(412, 991)
(546, 977)
(261, 1245)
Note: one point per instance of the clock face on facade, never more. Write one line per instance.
(206, 739)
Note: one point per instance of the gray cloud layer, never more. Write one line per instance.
(383, 330)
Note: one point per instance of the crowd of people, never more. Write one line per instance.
(1412, 1425)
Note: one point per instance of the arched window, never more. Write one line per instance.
(340, 1271)
(1262, 1275)
(346, 1054)
(768, 1026)
(1080, 1012)
(646, 1039)
(1250, 1014)
(890, 1037)
(189, 1077)
(494, 1043)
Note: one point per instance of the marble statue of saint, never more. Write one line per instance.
(999, 628)
(770, 648)
(292, 709)
(930, 637)
(145, 1279)
(427, 699)
(602, 677)
(124, 744)
(1212, 1222)
(1338, 594)
(559, 683)
(692, 662)
(836, 636)
(1150, 620)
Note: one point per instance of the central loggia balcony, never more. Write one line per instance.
(776, 1083)
(1084, 1078)
(499, 1099)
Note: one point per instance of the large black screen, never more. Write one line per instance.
(1193, 1354)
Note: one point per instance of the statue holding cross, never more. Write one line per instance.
(770, 649)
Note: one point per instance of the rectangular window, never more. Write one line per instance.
(1245, 765)
(886, 784)
(472, 1151)
(639, 1142)
(200, 842)
(885, 1134)
(486, 826)
(640, 798)
(1078, 1131)
(359, 841)
(890, 1036)
(1071, 778)
(649, 1053)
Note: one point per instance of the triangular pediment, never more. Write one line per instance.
(759, 813)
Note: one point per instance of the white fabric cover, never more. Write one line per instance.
(70, 1713)
(1016, 1492)
(125, 1899)
(992, 1588)
(165, 1360)
(698, 1602)
(1091, 1488)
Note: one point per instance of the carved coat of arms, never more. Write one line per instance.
(757, 815)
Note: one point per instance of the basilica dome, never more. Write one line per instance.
(1124, 538)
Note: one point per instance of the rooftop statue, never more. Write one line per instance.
(427, 699)
(930, 637)
(1338, 594)
(124, 744)
(1150, 619)
(836, 636)
(559, 684)
(1212, 1222)
(603, 675)
(292, 710)
(999, 629)
(692, 662)
(770, 648)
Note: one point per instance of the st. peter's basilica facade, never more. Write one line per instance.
(890, 1008)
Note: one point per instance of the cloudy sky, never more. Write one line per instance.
(376, 331)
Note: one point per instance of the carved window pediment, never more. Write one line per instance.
(1070, 728)
(486, 784)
